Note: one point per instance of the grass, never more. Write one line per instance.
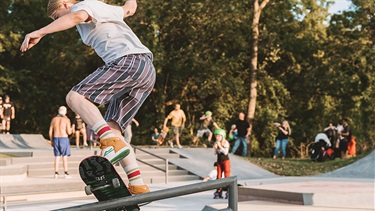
(302, 166)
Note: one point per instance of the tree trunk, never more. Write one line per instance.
(254, 66)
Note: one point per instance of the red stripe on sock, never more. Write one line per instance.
(134, 174)
(103, 130)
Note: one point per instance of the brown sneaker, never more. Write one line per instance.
(138, 189)
(114, 149)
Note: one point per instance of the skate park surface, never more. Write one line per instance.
(348, 188)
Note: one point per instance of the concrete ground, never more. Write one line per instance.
(348, 188)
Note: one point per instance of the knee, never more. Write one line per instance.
(71, 98)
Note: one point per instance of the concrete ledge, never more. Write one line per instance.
(249, 194)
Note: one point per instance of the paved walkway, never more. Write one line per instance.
(350, 188)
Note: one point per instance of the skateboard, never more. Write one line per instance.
(162, 136)
(103, 181)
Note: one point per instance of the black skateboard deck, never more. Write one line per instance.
(103, 181)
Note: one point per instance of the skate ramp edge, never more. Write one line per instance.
(250, 194)
(23, 141)
(362, 168)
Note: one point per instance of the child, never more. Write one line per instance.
(221, 149)
(127, 60)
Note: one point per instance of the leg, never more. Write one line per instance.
(56, 163)
(83, 107)
(77, 138)
(84, 136)
(130, 165)
(284, 143)
(236, 145)
(244, 144)
(65, 163)
(277, 148)
(177, 137)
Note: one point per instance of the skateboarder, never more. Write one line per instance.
(221, 149)
(124, 82)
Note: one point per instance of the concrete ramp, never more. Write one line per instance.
(200, 161)
(23, 141)
(363, 168)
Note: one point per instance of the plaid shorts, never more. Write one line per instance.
(124, 83)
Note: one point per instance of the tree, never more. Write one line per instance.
(254, 63)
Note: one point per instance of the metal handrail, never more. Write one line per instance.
(166, 171)
(230, 182)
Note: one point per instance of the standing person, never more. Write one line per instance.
(243, 131)
(80, 128)
(178, 123)
(128, 134)
(9, 113)
(59, 130)
(212, 175)
(282, 138)
(221, 149)
(124, 82)
(330, 132)
(346, 136)
(206, 121)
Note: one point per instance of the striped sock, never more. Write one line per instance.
(134, 175)
(103, 130)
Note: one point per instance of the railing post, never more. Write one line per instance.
(233, 195)
(166, 171)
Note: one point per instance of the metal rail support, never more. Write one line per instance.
(230, 182)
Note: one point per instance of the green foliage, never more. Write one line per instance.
(310, 72)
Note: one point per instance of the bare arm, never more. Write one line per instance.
(69, 129)
(65, 22)
(129, 8)
(50, 132)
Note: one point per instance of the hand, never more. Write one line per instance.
(30, 40)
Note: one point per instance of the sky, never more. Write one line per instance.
(340, 5)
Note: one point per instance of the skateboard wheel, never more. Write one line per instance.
(88, 190)
(116, 183)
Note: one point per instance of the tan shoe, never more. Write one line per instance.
(138, 189)
(114, 149)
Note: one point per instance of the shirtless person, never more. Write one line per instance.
(59, 130)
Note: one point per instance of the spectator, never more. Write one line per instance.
(59, 130)
(206, 121)
(178, 123)
(79, 127)
(102, 27)
(212, 175)
(9, 113)
(154, 137)
(243, 130)
(221, 149)
(346, 136)
(330, 131)
(128, 134)
(282, 138)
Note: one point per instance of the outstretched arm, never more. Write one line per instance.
(129, 8)
(63, 23)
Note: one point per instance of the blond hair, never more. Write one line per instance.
(53, 5)
(288, 127)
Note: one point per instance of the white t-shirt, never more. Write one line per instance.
(212, 174)
(107, 32)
